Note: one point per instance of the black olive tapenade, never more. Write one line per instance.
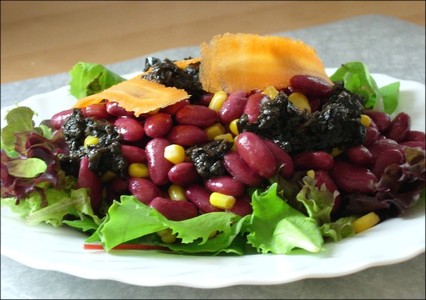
(337, 124)
(104, 156)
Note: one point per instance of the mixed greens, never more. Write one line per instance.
(282, 219)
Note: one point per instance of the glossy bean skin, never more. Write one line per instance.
(372, 134)
(239, 169)
(256, 154)
(133, 154)
(158, 165)
(359, 155)
(200, 197)
(60, 118)
(283, 159)
(233, 107)
(96, 110)
(172, 109)
(310, 85)
(253, 105)
(129, 128)
(399, 127)
(381, 145)
(386, 158)
(353, 178)
(158, 125)
(187, 135)
(415, 144)
(196, 115)
(225, 185)
(174, 210)
(415, 135)
(381, 119)
(113, 108)
(242, 206)
(90, 180)
(184, 174)
(316, 160)
(143, 189)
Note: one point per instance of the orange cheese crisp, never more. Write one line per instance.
(232, 62)
(138, 95)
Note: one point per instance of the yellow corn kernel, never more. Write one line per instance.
(167, 236)
(365, 120)
(174, 153)
(217, 100)
(336, 151)
(176, 192)
(91, 140)
(222, 201)
(234, 146)
(138, 170)
(311, 174)
(300, 101)
(215, 130)
(365, 222)
(226, 136)
(233, 127)
(271, 92)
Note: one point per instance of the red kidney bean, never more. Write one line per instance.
(399, 127)
(133, 154)
(252, 108)
(359, 155)
(205, 99)
(196, 115)
(158, 125)
(256, 154)
(322, 177)
(60, 118)
(143, 189)
(158, 165)
(242, 206)
(386, 158)
(113, 108)
(129, 128)
(238, 168)
(316, 160)
(314, 103)
(174, 210)
(184, 174)
(120, 185)
(353, 178)
(233, 107)
(283, 159)
(381, 119)
(172, 109)
(187, 135)
(372, 134)
(200, 197)
(311, 85)
(415, 135)
(381, 145)
(88, 179)
(415, 144)
(225, 185)
(96, 110)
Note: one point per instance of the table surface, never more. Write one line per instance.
(37, 42)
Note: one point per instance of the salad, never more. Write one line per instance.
(249, 148)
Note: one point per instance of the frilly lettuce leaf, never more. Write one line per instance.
(357, 79)
(88, 79)
(278, 228)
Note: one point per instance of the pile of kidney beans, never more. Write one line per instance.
(250, 163)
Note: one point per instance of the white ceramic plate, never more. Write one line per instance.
(61, 249)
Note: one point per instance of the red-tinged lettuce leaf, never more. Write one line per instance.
(276, 227)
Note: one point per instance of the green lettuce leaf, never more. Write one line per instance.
(88, 79)
(278, 228)
(357, 78)
(26, 168)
